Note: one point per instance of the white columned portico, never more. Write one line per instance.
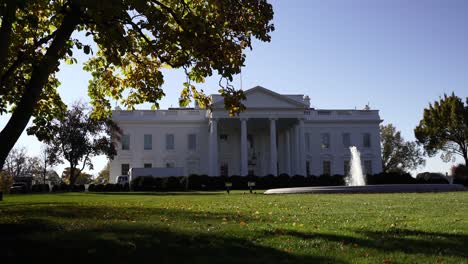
(287, 148)
(213, 154)
(243, 142)
(302, 166)
(273, 148)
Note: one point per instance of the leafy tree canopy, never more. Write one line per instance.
(80, 177)
(135, 39)
(398, 154)
(77, 138)
(444, 127)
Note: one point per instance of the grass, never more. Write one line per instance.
(236, 228)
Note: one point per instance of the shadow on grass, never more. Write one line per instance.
(395, 240)
(129, 212)
(129, 244)
(162, 193)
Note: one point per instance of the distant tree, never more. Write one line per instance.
(46, 160)
(53, 177)
(104, 174)
(444, 128)
(135, 40)
(6, 180)
(81, 178)
(19, 164)
(398, 155)
(77, 138)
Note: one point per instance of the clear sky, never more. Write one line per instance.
(397, 55)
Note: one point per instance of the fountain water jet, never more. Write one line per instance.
(356, 177)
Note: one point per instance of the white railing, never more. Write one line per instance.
(342, 114)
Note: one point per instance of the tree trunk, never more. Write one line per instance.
(39, 77)
(72, 175)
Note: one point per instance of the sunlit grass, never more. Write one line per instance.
(237, 228)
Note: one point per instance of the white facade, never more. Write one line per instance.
(276, 134)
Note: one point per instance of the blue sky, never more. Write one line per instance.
(396, 55)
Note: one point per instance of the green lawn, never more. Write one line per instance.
(236, 228)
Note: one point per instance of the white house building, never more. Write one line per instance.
(278, 133)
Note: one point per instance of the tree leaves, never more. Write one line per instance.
(444, 127)
(398, 154)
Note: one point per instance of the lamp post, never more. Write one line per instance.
(228, 185)
(251, 185)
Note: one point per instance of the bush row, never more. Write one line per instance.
(40, 188)
(109, 187)
(204, 182)
(68, 188)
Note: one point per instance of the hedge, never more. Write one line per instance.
(40, 188)
(210, 183)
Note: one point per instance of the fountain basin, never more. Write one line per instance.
(388, 188)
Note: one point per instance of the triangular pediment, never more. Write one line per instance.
(260, 97)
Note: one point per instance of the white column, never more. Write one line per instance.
(292, 150)
(243, 147)
(213, 164)
(297, 153)
(287, 148)
(302, 159)
(273, 150)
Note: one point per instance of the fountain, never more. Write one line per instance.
(356, 184)
(356, 177)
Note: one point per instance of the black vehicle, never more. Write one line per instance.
(19, 187)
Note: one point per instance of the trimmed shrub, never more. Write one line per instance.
(40, 188)
(391, 178)
(298, 181)
(331, 180)
(91, 188)
(61, 188)
(460, 174)
(145, 184)
(77, 188)
(431, 177)
(173, 184)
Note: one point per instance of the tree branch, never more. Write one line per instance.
(5, 32)
(170, 11)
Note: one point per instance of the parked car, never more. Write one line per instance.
(19, 187)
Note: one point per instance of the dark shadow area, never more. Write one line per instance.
(103, 213)
(160, 193)
(34, 240)
(395, 240)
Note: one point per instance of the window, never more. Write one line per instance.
(170, 164)
(368, 167)
(326, 167)
(325, 140)
(125, 142)
(148, 140)
(192, 141)
(366, 140)
(223, 137)
(169, 141)
(308, 168)
(346, 140)
(346, 168)
(148, 165)
(307, 142)
(125, 168)
(224, 170)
